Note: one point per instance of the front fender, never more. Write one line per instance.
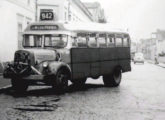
(55, 66)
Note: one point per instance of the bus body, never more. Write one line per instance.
(54, 53)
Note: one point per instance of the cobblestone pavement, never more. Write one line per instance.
(141, 96)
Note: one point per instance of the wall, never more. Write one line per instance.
(65, 10)
(16, 14)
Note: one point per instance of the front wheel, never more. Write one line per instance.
(60, 82)
(114, 79)
(19, 85)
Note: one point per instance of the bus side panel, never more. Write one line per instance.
(124, 58)
(108, 60)
(80, 70)
(85, 61)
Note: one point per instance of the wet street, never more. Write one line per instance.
(141, 96)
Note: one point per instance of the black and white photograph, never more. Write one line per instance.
(82, 59)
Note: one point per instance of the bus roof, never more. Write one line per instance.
(56, 27)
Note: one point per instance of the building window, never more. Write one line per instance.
(70, 18)
(65, 16)
(28, 2)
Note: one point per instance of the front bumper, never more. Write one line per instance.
(139, 61)
(28, 73)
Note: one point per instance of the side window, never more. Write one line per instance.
(125, 42)
(81, 40)
(92, 40)
(111, 40)
(74, 42)
(119, 41)
(102, 40)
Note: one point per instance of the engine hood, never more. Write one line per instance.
(41, 55)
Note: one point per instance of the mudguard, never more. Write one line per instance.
(54, 66)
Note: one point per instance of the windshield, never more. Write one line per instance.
(56, 40)
(32, 41)
(50, 40)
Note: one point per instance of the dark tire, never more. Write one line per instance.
(19, 85)
(79, 82)
(60, 82)
(114, 79)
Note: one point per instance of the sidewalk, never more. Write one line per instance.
(160, 64)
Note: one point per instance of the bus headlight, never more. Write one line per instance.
(45, 64)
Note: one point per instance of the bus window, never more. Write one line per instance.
(56, 40)
(92, 40)
(125, 42)
(111, 41)
(74, 42)
(102, 40)
(82, 41)
(119, 41)
(32, 41)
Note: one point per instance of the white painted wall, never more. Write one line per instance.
(13, 12)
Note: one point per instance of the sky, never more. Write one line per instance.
(140, 17)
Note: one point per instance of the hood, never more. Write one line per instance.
(41, 55)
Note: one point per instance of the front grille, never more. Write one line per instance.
(22, 57)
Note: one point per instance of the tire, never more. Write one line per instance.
(60, 81)
(19, 85)
(114, 79)
(79, 82)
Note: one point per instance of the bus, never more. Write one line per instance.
(54, 53)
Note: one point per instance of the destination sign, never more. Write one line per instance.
(46, 14)
(44, 27)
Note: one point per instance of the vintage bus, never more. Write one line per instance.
(54, 53)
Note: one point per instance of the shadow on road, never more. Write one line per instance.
(49, 91)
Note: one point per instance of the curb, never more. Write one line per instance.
(156, 64)
(160, 66)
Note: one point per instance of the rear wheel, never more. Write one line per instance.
(60, 83)
(19, 85)
(79, 82)
(114, 79)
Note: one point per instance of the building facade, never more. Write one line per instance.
(65, 10)
(98, 14)
(154, 47)
(15, 16)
